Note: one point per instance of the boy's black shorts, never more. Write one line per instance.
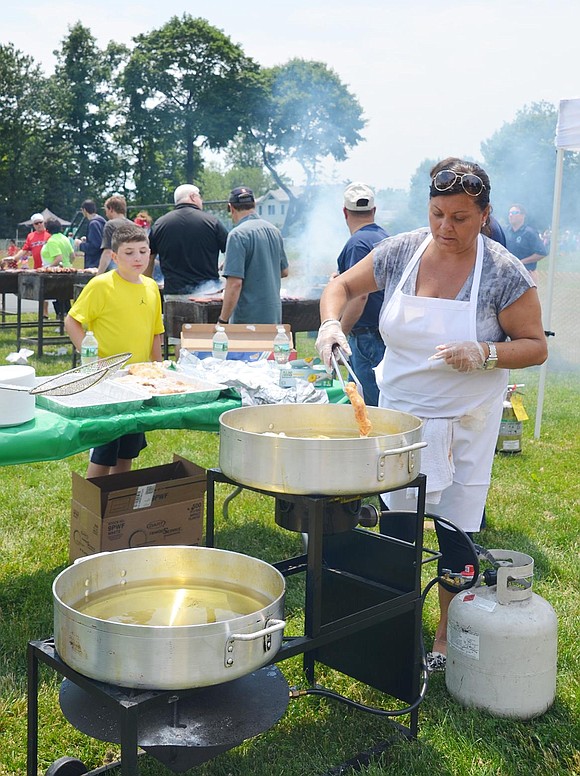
(127, 446)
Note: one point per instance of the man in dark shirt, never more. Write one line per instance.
(360, 320)
(90, 245)
(188, 242)
(523, 241)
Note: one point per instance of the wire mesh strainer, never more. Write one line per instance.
(74, 380)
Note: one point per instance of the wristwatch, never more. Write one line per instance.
(221, 320)
(491, 361)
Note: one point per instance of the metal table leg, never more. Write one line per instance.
(32, 714)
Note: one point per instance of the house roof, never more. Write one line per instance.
(280, 195)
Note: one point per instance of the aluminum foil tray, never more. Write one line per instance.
(200, 392)
(105, 398)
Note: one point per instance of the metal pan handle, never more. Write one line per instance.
(398, 451)
(273, 627)
(265, 633)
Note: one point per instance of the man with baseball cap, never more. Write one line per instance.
(34, 241)
(255, 262)
(188, 243)
(360, 320)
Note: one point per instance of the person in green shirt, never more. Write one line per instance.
(57, 250)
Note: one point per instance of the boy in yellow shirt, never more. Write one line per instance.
(123, 310)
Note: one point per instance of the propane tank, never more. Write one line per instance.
(502, 643)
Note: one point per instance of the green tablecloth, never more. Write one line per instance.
(50, 437)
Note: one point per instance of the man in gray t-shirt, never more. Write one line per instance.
(116, 212)
(255, 262)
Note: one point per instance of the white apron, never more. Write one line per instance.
(412, 327)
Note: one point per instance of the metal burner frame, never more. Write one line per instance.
(341, 570)
(124, 702)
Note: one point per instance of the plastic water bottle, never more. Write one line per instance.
(281, 346)
(89, 349)
(220, 343)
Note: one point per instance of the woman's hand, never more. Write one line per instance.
(463, 356)
(330, 334)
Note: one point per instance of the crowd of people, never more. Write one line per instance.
(433, 319)
(122, 304)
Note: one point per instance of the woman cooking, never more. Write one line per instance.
(459, 312)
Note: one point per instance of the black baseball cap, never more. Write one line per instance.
(241, 196)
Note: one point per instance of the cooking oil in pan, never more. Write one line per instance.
(168, 603)
(312, 434)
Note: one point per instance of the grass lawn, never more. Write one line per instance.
(532, 507)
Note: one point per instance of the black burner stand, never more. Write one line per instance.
(362, 607)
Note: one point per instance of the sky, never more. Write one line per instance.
(434, 79)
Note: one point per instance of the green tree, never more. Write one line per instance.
(188, 87)
(520, 160)
(216, 183)
(77, 155)
(21, 84)
(308, 115)
(419, 194)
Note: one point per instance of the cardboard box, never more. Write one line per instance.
(246, 341)
(313, 371)
(159, 505)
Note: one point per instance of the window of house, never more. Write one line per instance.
(271, 210)
(259, 210)
(282, 209)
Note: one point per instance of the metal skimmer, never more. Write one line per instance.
(74, 380)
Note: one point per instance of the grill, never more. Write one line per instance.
(300, 314)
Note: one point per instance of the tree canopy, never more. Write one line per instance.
(520, 159)
(306, 114)
(20, 80)
(189, 86)
(138, 120)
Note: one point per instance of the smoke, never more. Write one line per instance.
(314, 248)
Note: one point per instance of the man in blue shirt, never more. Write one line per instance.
(523, 241)
(255, 262)
(360, 320)
(91, 244)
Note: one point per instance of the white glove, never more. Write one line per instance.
(463, 356)
(330, 334)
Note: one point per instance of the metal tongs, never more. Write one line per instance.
(341, 360)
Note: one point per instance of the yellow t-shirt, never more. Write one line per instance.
(123, 316)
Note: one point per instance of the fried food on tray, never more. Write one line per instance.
(153, 370)
(360, 409)
(155, 378)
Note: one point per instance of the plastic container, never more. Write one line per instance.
(220, 343)
(281, 346)
(89, 349)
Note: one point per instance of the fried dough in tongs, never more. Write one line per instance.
(353, 390)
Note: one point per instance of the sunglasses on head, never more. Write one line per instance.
(35, 223)
(470, 183)
(515, 212)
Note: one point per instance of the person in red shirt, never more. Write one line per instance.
(34, 241)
